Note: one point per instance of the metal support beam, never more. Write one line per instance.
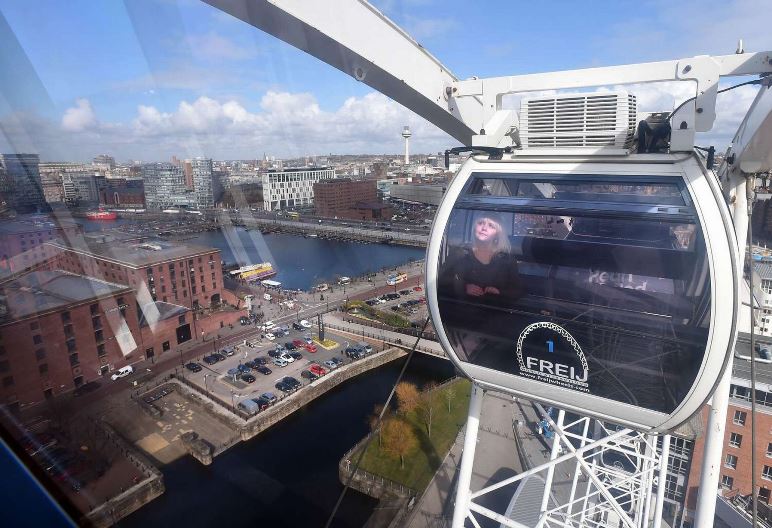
(357, 39)
(467, 460)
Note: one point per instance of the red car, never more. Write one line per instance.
(310, 347)
(317, 369)
(417, 288)
(299, 343)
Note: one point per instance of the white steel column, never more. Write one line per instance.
(716, 430)
(662, 481)
(467, 458)
(551, 469)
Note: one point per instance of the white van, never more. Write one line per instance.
(122, 372)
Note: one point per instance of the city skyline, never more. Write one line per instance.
(153, 78)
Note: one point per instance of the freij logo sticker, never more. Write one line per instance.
(546, 352)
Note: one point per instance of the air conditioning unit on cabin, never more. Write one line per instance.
(586, 120)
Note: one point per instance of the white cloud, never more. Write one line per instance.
(80, 117)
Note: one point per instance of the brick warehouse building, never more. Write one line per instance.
(736, 455)
(156, 270)
(346, 198)
(59, 330)
(29, 233)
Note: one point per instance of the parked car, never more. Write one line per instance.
(243, 369)
(371, 302)
(417, 288)
(405, 292)
(262, 369)
(218, 356)
(260, 361)
(210, 360)
(296, 355)
(363, 345)
(310, 347)
(286, 357)
(268, 325)
(353, 353)
(262, 404)
(280, 362)
(244, 321)
(297, 326)
(330, 364)
(305, 324)
(338, 361)
(248, 378)
(299, 343)
(276, 353)
(270, 337)
(122, 372)
(228, 351)
(271, 397)
(308, 339)
(317, 369)
(289, 346)
(250, 364)
(309, 375)
(194, 367)
(284, 386)
(292, 381)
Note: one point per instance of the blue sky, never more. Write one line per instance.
(148, 79)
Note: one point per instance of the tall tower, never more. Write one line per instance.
(406, 134)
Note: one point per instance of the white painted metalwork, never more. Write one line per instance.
(613, 494)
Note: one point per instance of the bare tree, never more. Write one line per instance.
(426, 404)
(398, 439)
(450, 395)
(407, 397)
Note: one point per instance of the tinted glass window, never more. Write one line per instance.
(604, 299)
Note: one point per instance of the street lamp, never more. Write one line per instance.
(206, 379)
(233, 400)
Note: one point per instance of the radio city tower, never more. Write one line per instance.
(406, 134)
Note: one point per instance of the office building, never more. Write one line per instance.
(292, 188)
(203, 188)
(346, 198)
(124, 192)
(82, 188)
(164, 185)
(21, 181)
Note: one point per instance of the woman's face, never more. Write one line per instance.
(485, 229)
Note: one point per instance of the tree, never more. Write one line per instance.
(372, 421)
(426, 403)
(407, 397)
(398, 439)
(450, 395)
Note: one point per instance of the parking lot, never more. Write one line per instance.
(230, 389)
(410, 303)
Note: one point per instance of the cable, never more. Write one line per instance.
(750, 191)
(377, 426)
(754, 81)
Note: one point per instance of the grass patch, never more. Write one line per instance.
(361, 309)
(422, 464)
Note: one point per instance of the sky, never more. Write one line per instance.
(150, 79)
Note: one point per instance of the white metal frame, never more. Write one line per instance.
(591, 501)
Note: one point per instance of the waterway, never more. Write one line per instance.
(301, 262)
(287, 476)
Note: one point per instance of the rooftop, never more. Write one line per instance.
(155, 312)
(41, 291)
(135, 253)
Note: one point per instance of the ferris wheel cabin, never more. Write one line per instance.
(593, 279)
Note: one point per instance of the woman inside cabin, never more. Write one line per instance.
(484, 271)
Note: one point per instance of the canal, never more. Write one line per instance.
(287, 476)
(301, 262)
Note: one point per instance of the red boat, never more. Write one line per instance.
(101, 215)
